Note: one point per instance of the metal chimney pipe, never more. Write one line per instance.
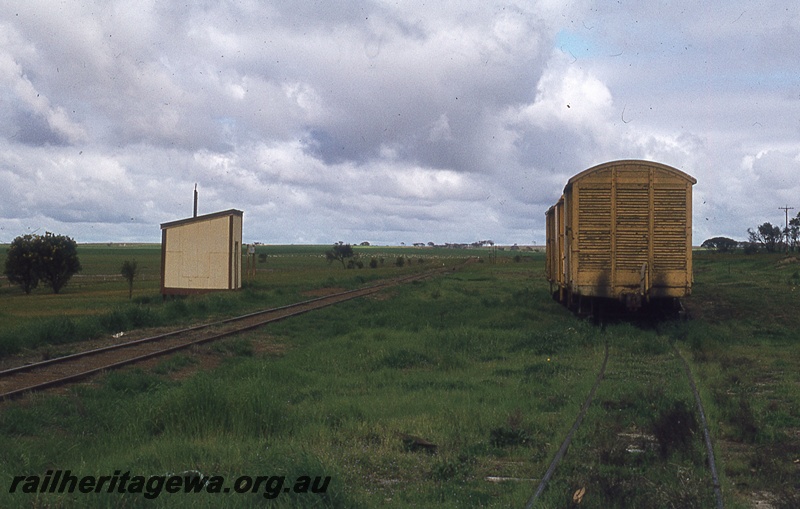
(195, 200)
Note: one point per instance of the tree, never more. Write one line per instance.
(767, 235)
(340, 252)
(720, 244)
(794, 231)
(58, 260)
(52, 259)
(22, 263)
(129, 271)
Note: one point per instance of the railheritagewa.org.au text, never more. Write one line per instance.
(152, 486)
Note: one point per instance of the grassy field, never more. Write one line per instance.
(453, 392)
(95, 302)
(744, 340)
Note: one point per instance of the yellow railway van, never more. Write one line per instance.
(622, 230)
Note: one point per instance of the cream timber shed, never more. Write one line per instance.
(202, 254)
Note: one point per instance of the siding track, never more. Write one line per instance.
(712, 464)
(565, 445)
(684, 366)
(15, 382)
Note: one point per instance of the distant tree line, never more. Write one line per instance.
(766, 237)
(50, 259)
(344, 254)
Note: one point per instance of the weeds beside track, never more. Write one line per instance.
(19, 380)
(641, 431)
(483, 364)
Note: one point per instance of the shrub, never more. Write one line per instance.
(58, 259)
(22, 263)
(340, 252)
(52, 259)
(129, 271)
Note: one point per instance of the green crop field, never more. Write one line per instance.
(95, 302)
(452, 392)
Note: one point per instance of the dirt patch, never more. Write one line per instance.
(788, 261)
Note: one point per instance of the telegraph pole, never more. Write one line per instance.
(786, 209)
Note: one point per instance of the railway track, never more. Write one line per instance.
(559, 456)
(20, 380)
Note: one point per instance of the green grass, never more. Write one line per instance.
(744, 341)
(96, 289)
(95, 302)
(469, 362)
(640, 444)
(482, 363)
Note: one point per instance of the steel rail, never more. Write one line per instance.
(316, 304)
(77, 376)
(706, 434)
(158, 337)
(565, 445)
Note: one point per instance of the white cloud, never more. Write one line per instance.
(23, 92)
(385, 121)
(568, 96)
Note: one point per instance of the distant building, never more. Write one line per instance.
(202, 253)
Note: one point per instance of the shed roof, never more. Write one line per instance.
(205, 217)
(640, 162)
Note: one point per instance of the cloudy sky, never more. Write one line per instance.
(387, 121)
